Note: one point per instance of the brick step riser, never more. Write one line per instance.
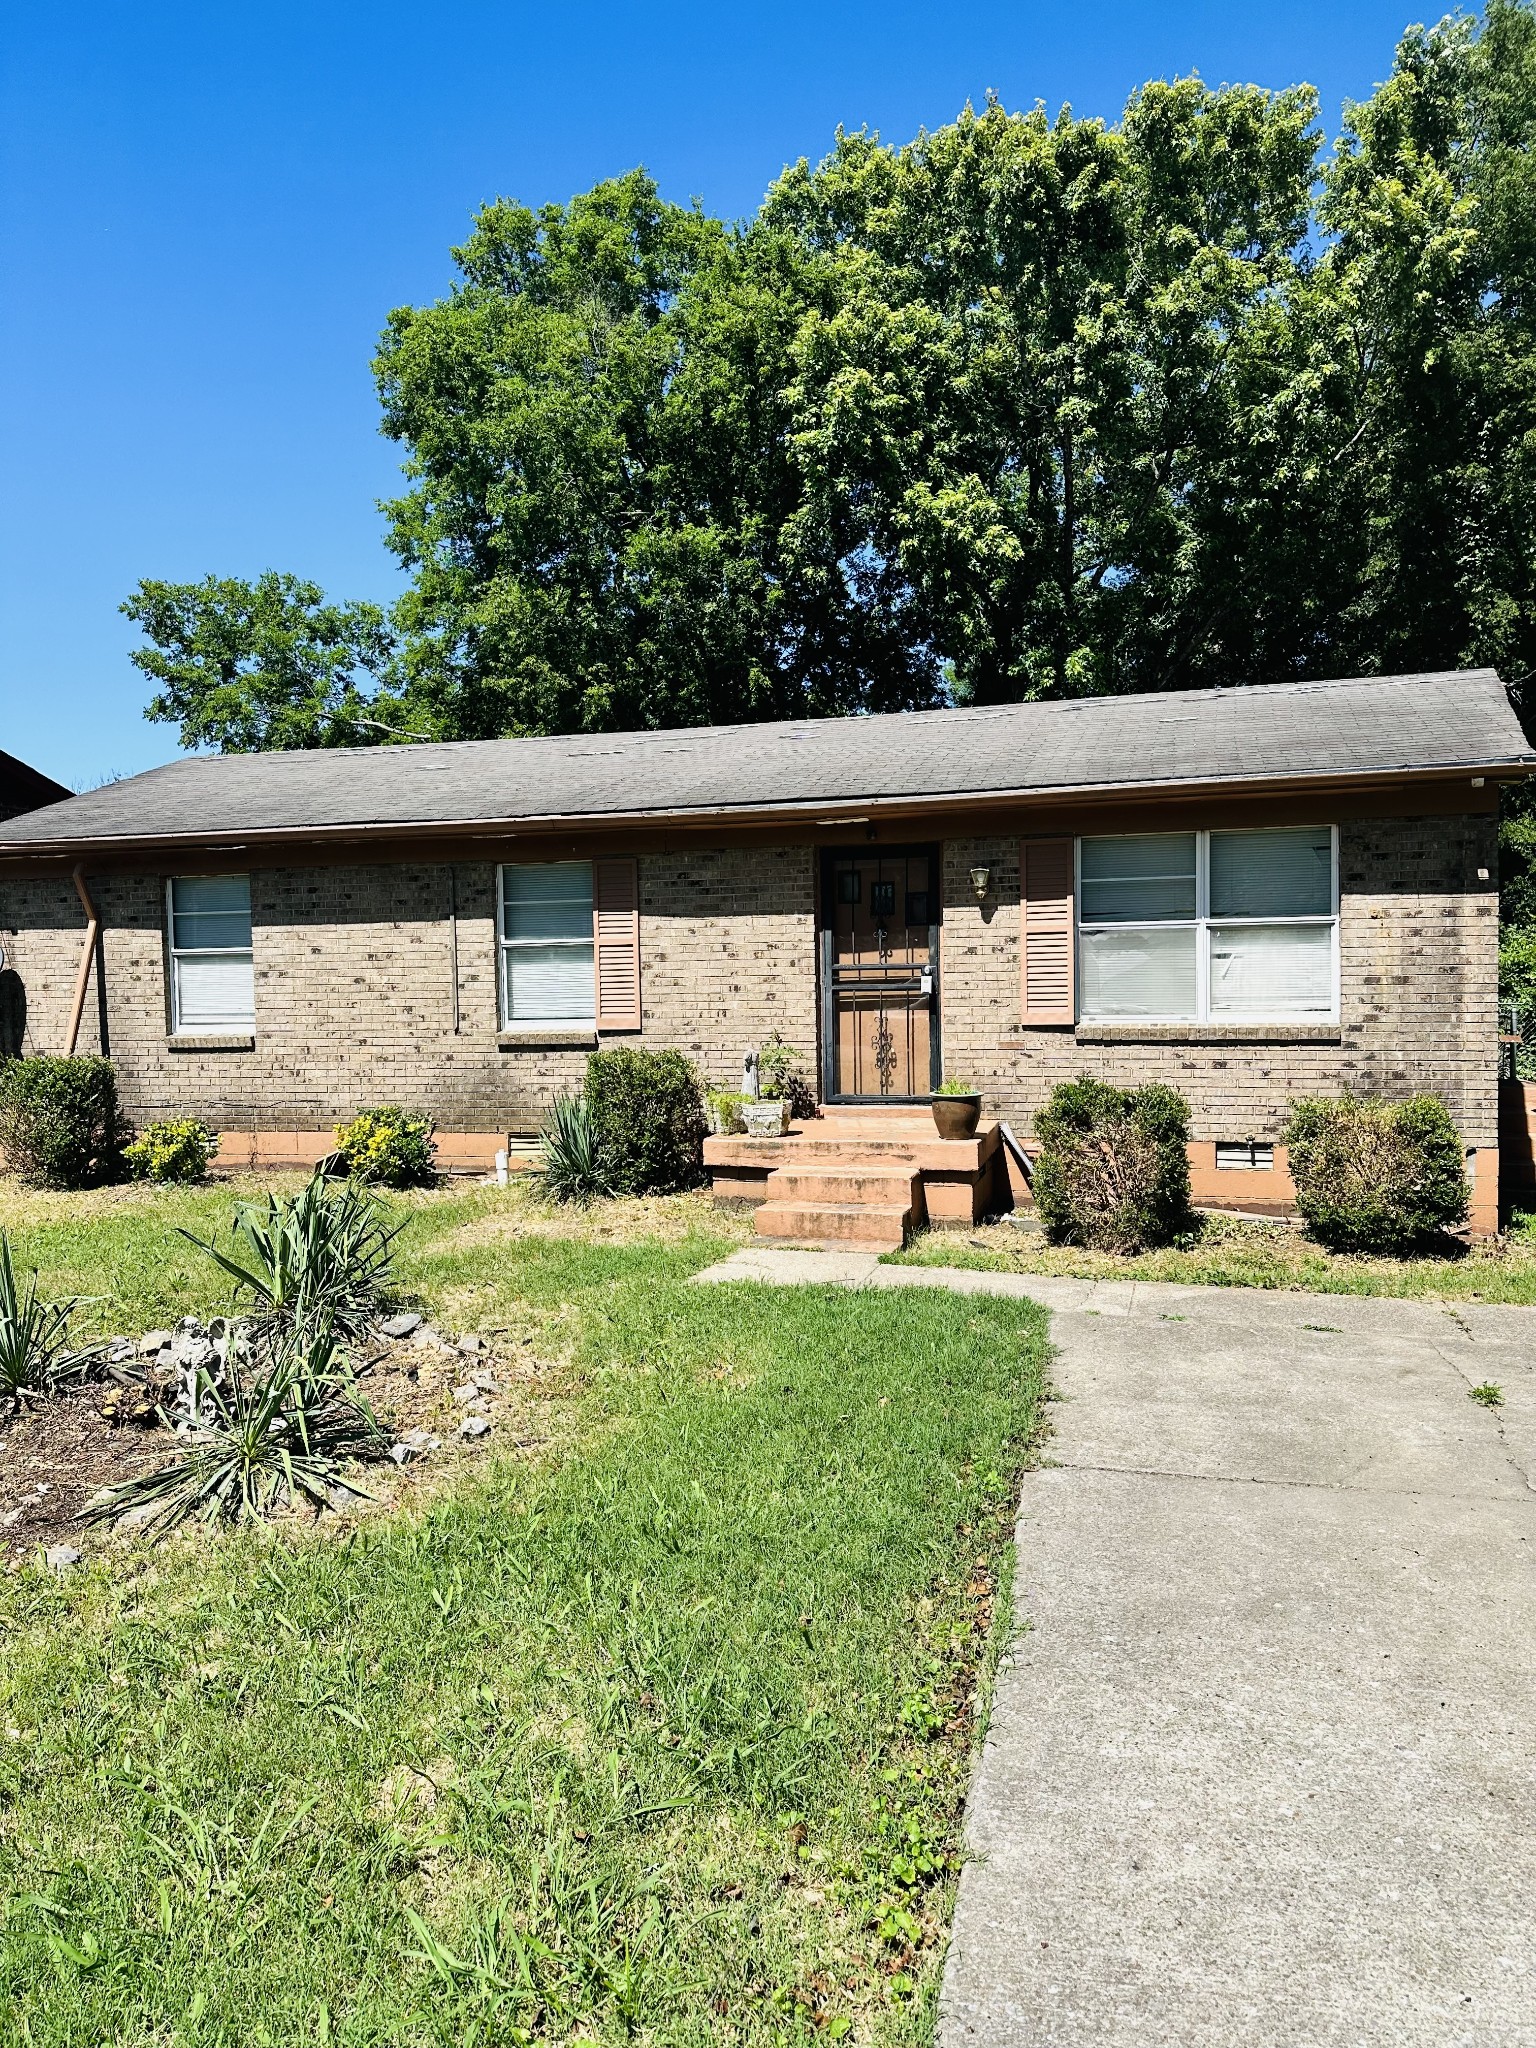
(843, 1184)
(933, 1155)
(884, 1225)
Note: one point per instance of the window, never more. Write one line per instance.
(1244, 1155)
(213, 981)
(546, 945)
(1198, 927)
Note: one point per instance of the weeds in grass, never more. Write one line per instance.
(35, 1351)
(696, 1697)
(317, 1260)
(272, 1435)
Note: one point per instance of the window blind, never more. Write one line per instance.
(547, 943)
(213, 978)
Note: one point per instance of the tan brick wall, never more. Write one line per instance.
(355, 990)
(1418, 970)
(355, 987)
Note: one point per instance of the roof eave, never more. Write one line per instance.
(832, 811)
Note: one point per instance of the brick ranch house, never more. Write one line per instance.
(1250, 893)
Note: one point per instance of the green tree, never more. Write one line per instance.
(596, 424)
(1027, 406)
(1429, 310)
(249, 666)
(1050, 394)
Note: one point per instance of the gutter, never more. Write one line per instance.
(829, 811)
(87, 954)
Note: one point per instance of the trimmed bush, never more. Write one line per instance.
(1113, 1171)
(1376, 1176)
(176, 1149)
(59, 1121)
(647, 1113)
(388, 1145)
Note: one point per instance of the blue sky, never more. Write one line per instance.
(207, 211)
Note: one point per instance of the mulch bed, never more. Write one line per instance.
(53, 1457)
(57, 1453)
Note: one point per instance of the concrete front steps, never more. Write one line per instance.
(857, 1176)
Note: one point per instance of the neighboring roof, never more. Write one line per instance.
(1276, 733)
(25, 789)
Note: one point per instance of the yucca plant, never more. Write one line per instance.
(35, 1352)
(575, 1166)
(316, 1260)
(274, 1434)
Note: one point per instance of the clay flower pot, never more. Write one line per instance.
(956, 1116)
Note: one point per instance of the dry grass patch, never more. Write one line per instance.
(1232, 1251)
(521, 1210)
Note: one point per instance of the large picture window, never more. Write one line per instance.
(546, 945)
(213, 981)
(1198, 927)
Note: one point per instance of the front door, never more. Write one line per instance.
(879, 974)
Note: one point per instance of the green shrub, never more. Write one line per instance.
(953, 1085)
(35, 1352)
(575, 1168)
(277, 1431)
(388, 1145)
(647, 1115)
(1113, 1171)
(177, 1149)
(1376, 1176)
(59, 1121)
(319, 1260)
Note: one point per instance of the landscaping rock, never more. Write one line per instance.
(155, 1340)
(193, 1352)
(468, 1392)
(402, 1452)
(470, 1345)
(474, 1426)
(134, 1519)
(120, 1350)
(401, 1325)
(61, 1557)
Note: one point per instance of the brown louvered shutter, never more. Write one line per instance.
(616, 944)
(1046, 939)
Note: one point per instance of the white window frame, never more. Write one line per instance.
(1201, 923)
(179, 953)
(505, 947)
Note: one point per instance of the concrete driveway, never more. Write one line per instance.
(1260, 1768)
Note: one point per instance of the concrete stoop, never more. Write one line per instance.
(857, 1176)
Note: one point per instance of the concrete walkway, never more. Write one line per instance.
(1260, 1768)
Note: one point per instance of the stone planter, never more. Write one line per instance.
(724, 1115)
(765, 1119)
(956, 1116)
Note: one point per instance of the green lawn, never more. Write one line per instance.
(1231, 1252)
(660, 1739)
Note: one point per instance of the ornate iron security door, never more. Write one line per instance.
(880, 975)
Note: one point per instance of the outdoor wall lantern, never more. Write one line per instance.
(981, 882)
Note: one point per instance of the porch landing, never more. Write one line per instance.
(857, 1175)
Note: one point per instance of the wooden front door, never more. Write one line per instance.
(880, 974)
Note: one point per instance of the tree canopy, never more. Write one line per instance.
(1026, 406)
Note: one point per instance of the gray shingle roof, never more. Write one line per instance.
(1279, 732)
